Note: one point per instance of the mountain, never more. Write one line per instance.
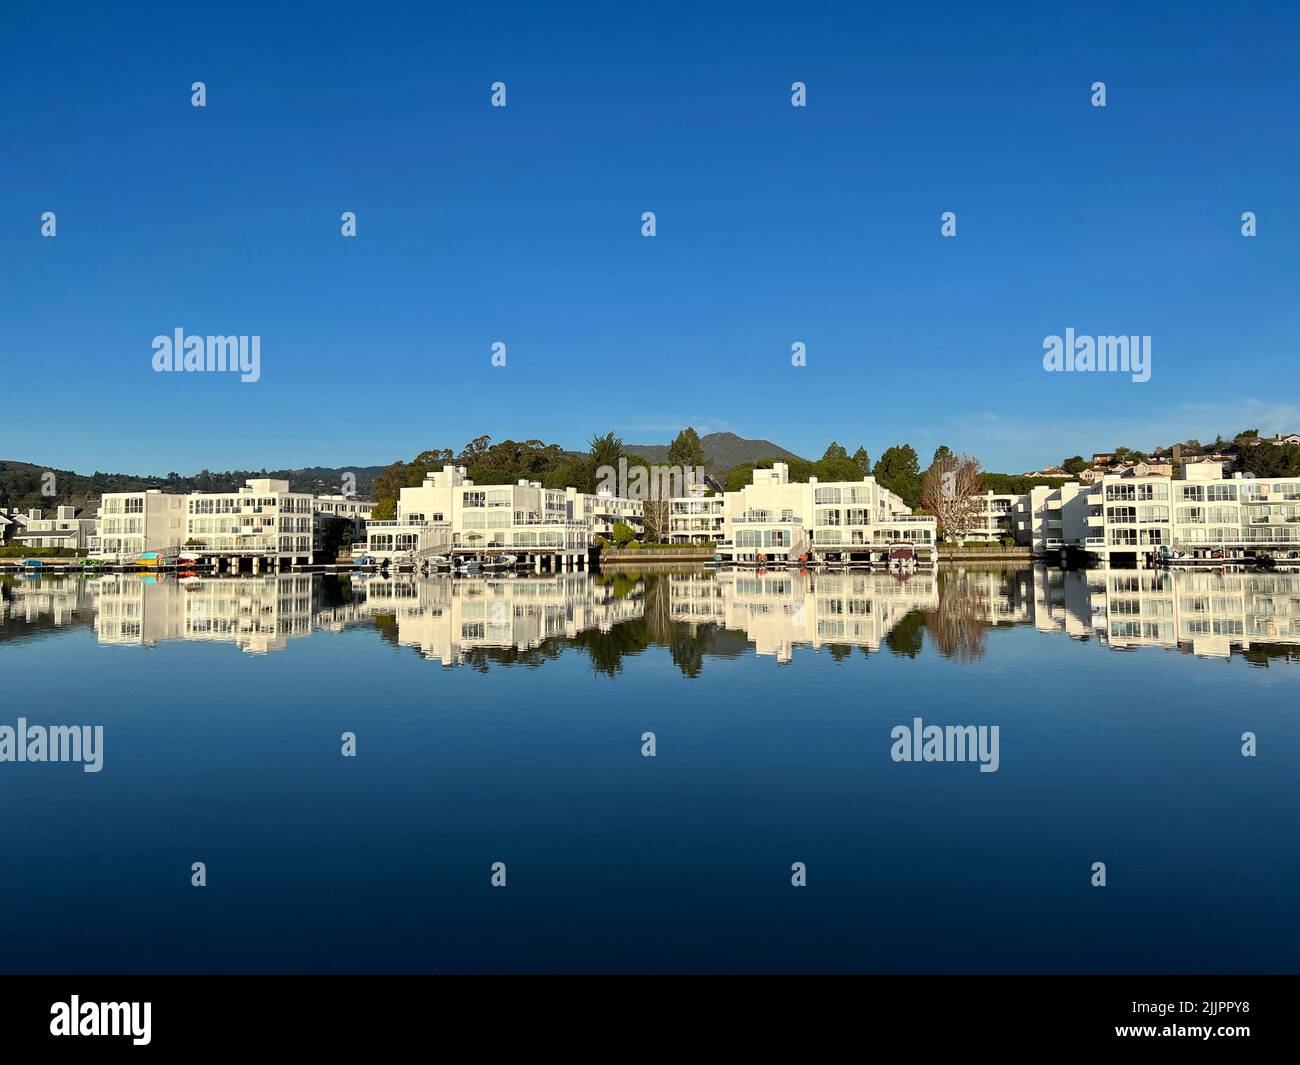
(21, 482)
(721, 451)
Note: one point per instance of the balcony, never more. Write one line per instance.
(749, 520)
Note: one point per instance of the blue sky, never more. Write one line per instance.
(522, 225)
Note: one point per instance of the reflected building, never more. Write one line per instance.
(53, 601)
(446, 618)
(256, 614)
(783, 609)
(1063, 602)
(1210, 614)
(697, 615)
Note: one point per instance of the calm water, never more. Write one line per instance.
(502, 721)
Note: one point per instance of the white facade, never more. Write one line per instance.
(448, 512)
(61, 529)
(697, 517)
(993, 519)
(134, 522)
(263, 520)
(776, 518)
(1144, 511)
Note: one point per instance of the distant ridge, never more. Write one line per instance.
(721, 451)
(21, 482)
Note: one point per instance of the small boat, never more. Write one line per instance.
(501, 562)
(440, 562)
(469, 565)
(32, 563)
(156, 560)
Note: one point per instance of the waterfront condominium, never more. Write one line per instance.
(63, 529)
(697, 517)
(772, 518)
(264, 521)
(1145, 511)
(775, 518)
(131, 523)
(449, 512)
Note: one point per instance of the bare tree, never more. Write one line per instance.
(656, 519)
(960, 626)
(951, 492)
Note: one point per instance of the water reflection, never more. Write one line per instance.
(695, 615)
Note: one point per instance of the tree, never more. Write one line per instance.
(862, 460)
(959, 628)
(604, 452)
(623, 533)
(951, 492)
(474, 450)
(834, 451)
(898, 469)
(655, 508)
(739, 476)
(1075, 464)
(569, 474)
(843, 469)
(1271, 460)
(686, 450)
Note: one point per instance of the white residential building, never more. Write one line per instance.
(1050, 519)
(448, 511)
(697, 517)
(993, 519)
(775, 518)
(133, 522)
(1138, 513)
(61, 529)
(604, 510)
(12, 522)
(263, 520)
